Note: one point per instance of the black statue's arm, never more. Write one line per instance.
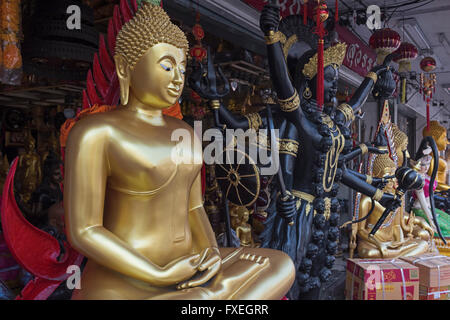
(385, 88)
(363, 177)
(288, 97)
(288, 158)
(376, 182)
(256, 120)
(287, 206)
(352, 181)
(361, 94)
(362, 149)
(231, 120)
(345, 112)
(269, 22)
(279, 72)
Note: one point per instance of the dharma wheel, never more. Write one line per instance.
(238, 176)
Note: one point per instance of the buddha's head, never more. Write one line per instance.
(439, 134)
(384, 166)
(238, 215)
(30, 143)
(150, 58)
(244, 215)
(401, 143)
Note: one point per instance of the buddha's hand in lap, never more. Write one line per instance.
(210, 264)
(182, 268)
(395, 244)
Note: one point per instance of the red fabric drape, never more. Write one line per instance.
(336, 12)
(320, 62)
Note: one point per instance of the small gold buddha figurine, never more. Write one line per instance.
(29, 170)
(137, 214)
(439, 134)
(244, 229)
(399, 235)
(239, 216)
(234, 216)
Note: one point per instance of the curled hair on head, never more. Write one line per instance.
(436, 130)
(150, 26)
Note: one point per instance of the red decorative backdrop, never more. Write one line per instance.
(359, 57)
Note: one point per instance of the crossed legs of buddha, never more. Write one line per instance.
(246, 274)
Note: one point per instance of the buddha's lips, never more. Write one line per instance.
(174, 92)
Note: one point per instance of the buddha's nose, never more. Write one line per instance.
(178, 79)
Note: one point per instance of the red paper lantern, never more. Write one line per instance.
(198, 52)
(428, 64)
(384, 41)
(198, 32)
(406, 53)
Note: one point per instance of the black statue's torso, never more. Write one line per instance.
(309, 156)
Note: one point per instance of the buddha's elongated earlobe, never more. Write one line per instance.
(124, 75)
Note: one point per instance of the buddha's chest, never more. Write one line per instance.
(150, 161)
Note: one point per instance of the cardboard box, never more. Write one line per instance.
(434, 274)
(434, 293)
(379, 279)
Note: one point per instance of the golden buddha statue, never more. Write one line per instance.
(439, 134)
(400, 235)
(29, 170)
(239, 216)
(244, 229)
(234, 216)
(136, 213)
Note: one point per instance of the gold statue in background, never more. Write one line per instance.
(416, 227)
(136, 213)
(29, 170)
(402, 234)
(394, 238)
(239, 222)
(439, 134)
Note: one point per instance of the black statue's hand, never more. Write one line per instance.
(389, 200)
(386, 85)
(203, 81)
(379, 69)
(287, 208)
(270, 18)
(380, 183)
